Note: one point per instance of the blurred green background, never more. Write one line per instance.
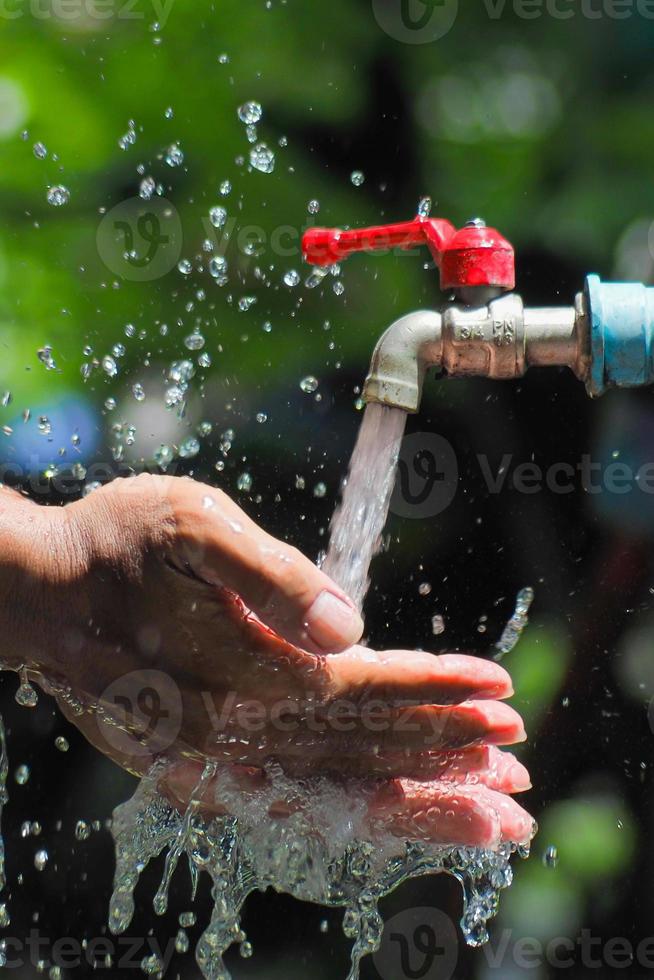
(544, 127)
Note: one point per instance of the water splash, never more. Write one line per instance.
(516, 625)
(319, 853)
(358, 522)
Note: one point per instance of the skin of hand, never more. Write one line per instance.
(166, 622)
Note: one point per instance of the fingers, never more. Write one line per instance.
(287, 592)
(413, 730)
(483, 764)
(438, 813)
(435, 812)
(360, 674)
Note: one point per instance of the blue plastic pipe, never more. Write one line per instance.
(621, 334)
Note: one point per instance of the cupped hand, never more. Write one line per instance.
(184, 629)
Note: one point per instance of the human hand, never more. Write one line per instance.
(163, 609)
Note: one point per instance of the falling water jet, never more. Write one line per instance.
(358, 522)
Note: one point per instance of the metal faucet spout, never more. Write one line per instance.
(401, 359)
(501, 341)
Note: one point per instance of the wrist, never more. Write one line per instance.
(34, 575)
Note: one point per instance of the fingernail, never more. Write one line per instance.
(518, 778)
(332, 623)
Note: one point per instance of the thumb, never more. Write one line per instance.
(278, 583)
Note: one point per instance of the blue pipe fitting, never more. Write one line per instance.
(621, 323)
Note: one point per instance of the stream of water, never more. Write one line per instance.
(358, 522)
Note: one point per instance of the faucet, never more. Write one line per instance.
(606, 338)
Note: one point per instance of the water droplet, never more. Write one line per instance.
(168, 113)
(62, 743)
(437, 625)
(194, 341)
(338, 287)
(551, 857)
(181, 942)
(262, 417)
(44, 354)
(41, 859)
(218, 216)
(40, 151)
(357, 178)
(319, 490)
(246, 950)
(225, 188)
(26, 696)
(164, 456)
(109, 366)
(187, 919)
(313, 207)
(424, 588)
(292, 278)
(217, 266)
(152, 965)
(174, 156)
(250, 113)
(147, 187)
(246, 302)
(262, 158)
(185, 267)
(324, 925)
(309, 384)
(189, 448)
(424, 207)
(82, 830)
(22, 774)
(244, 482)
(138, 391)
(58, 195)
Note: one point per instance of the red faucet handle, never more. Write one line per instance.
(478, 256)
(474, 256)
(325, 246)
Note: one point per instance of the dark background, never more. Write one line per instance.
(542, 126)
